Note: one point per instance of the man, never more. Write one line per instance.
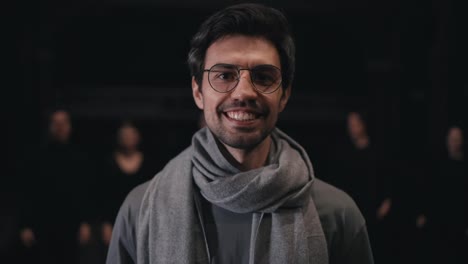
(9, 203)
(59, 196)
(362, 176)
(447, 218)
(243, 192)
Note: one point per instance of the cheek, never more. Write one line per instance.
(209, 111)
(276, 106)
(210, 101)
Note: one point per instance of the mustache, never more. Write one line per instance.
(251, 105)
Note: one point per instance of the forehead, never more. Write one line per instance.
(242, 50)
(354, 117)
(128, 129)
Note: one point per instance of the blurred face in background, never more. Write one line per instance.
(356, 126)
(128, 137)
(60, 126)
(455, 140)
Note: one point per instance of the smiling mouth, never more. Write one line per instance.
(241, 115)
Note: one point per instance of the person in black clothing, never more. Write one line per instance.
(357, 170)
(357, 160)
(127, 167)
(59, 205)
(409, 227)
(8, 228)
(448, 214)
(10, 197)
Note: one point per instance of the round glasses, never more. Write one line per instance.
(224, 78)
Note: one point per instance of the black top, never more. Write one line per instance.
(449, 184)
(343, 225)
(58, 199)
(362, 175)
(64, 171)
(115, 184)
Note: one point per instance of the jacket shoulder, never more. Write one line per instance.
(337, 210)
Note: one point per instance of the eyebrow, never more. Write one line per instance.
(243, 67)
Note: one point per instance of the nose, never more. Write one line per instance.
(244, 89)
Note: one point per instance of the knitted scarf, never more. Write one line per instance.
(285, 226)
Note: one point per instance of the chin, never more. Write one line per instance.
(241, 144)
(239, 141)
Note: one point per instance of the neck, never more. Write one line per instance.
(249, 159)
(456, 155)
(59, 141)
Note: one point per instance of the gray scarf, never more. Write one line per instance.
(285, 228)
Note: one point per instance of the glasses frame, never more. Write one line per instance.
(238, 79)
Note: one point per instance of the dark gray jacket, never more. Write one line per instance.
(342, 223)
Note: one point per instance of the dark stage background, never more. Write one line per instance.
(403, 63)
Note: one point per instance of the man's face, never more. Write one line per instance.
(243, 117)
(60, 126)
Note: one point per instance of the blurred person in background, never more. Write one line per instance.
(357, 170)
(410, 202)
(58, 208)
(9, 227)
(447, 215)
(126, 167)
(10, 198)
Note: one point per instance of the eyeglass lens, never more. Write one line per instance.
(225, 77)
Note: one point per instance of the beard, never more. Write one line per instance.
(246, 139)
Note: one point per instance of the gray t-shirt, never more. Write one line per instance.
(343, 225)
(228, 234)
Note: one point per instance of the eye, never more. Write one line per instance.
(266, 75)
(264, 78)
(223, 73)
(226, 76)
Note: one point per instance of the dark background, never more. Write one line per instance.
(402, 62)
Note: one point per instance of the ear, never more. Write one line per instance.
(197, 94)
(284, 98)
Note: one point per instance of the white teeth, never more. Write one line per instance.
(241, 116)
